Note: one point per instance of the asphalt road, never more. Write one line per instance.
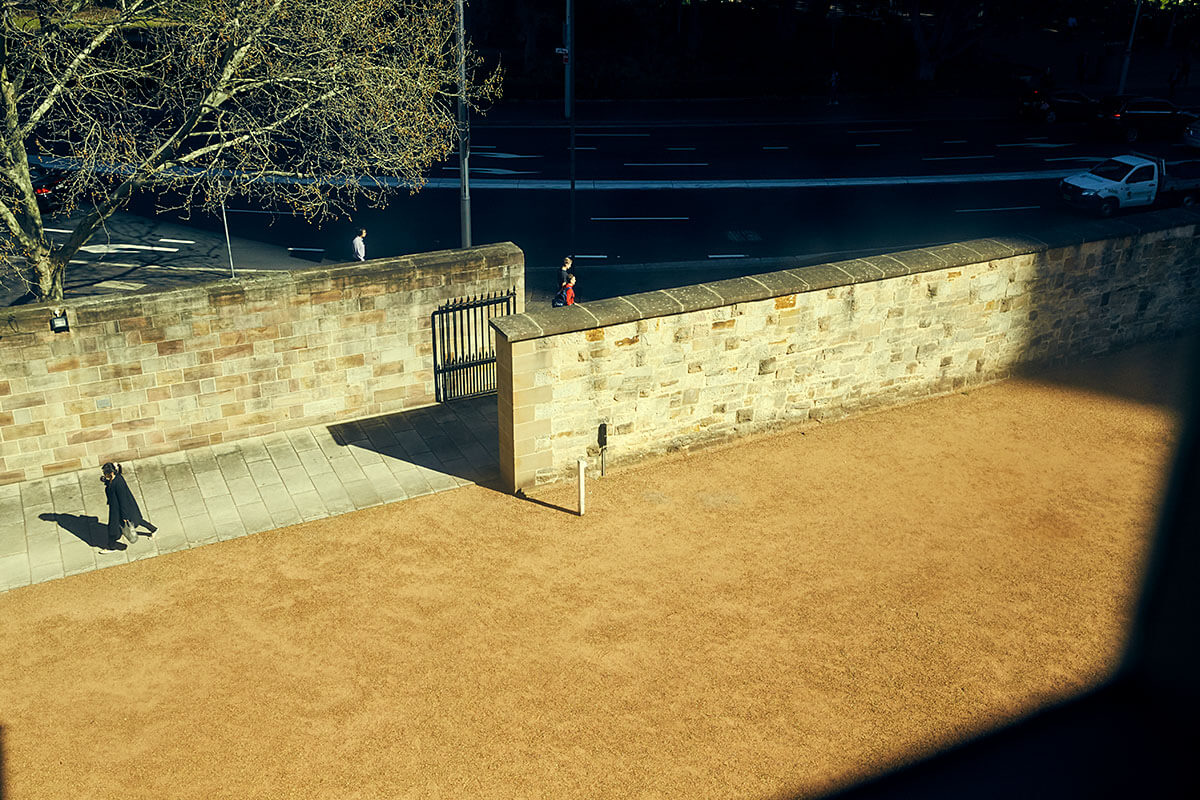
(712, 191)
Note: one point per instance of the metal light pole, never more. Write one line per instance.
(1129, 49)
(569, 61)
(464, 146)
(228, 245)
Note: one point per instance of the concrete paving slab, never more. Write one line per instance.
(180, 476)
(335, 498)
(143, 547)
(346, 468)
(282, 510)
(362, 493)
(35, 493)
(173, 539)
(77, 556)
(177, 457)
(203, 459)
(54, 527)
(264, 472)
(315, 463)
(48, 571)
(186, 499)
(200, 530)
(255, 517)
(302, 440)
(296, 480)
(253, 450)
(44, 550)
(244, 491)
(211, 483)
(363, 456)
(233, 466)
(283, 454)
(14, 571)
(12, 541)
(310, 505)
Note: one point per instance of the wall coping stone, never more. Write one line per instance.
(797, 280)
(98, 308)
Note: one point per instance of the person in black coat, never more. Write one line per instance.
(121, 504)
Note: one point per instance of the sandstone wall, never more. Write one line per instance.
(144, 374)
(666, 370)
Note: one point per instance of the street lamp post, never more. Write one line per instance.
(464, 146)
(1129, 49)
(569, 104)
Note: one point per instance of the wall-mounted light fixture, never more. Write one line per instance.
(58, 323)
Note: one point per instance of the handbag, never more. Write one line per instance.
(127, 532)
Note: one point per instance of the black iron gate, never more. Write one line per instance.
(464, 345)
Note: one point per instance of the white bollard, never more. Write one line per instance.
(582, 466)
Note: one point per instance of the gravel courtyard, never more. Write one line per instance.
(775, 616)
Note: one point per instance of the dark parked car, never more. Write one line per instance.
(1064, 106)
(1133, 119)
(45, 186)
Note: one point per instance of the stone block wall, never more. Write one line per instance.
(139, 375)
(667, 370)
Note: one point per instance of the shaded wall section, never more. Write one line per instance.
(146, 374)
(667, 370)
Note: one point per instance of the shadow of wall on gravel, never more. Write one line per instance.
(457, 439)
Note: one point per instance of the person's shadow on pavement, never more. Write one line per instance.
(89, 529)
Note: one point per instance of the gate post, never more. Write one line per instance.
(522, 413)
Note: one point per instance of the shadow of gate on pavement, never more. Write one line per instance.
(457, 439)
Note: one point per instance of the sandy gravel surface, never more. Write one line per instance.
(775, 616)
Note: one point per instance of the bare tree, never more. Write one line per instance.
(285, 100)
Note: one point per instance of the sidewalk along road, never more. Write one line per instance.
(776, 616)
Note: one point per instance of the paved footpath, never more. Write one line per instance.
(53, 527)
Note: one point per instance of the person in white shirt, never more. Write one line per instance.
(360, 247)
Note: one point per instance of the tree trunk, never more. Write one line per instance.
(46, 275)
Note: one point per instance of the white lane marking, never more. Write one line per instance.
(681, 148)
(307, 249)
(586, 256)
(728, 255)
(125, 286)
(178, 241)
(208, 270)
(1006, 208)
(612, 134)
(782, 147)
(1040, 145)
(953, 158)
(483, 147)
(885, 130)
(125, 248)
(676, 184)
(1036, 138)
(103, 263)
(77, 261)
(506, 155)
(666, 164)
(1076, 158)
(56, 230)
(954, 141)
(583, 148)
(627, 219)
(493, 170)
(867, 145)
